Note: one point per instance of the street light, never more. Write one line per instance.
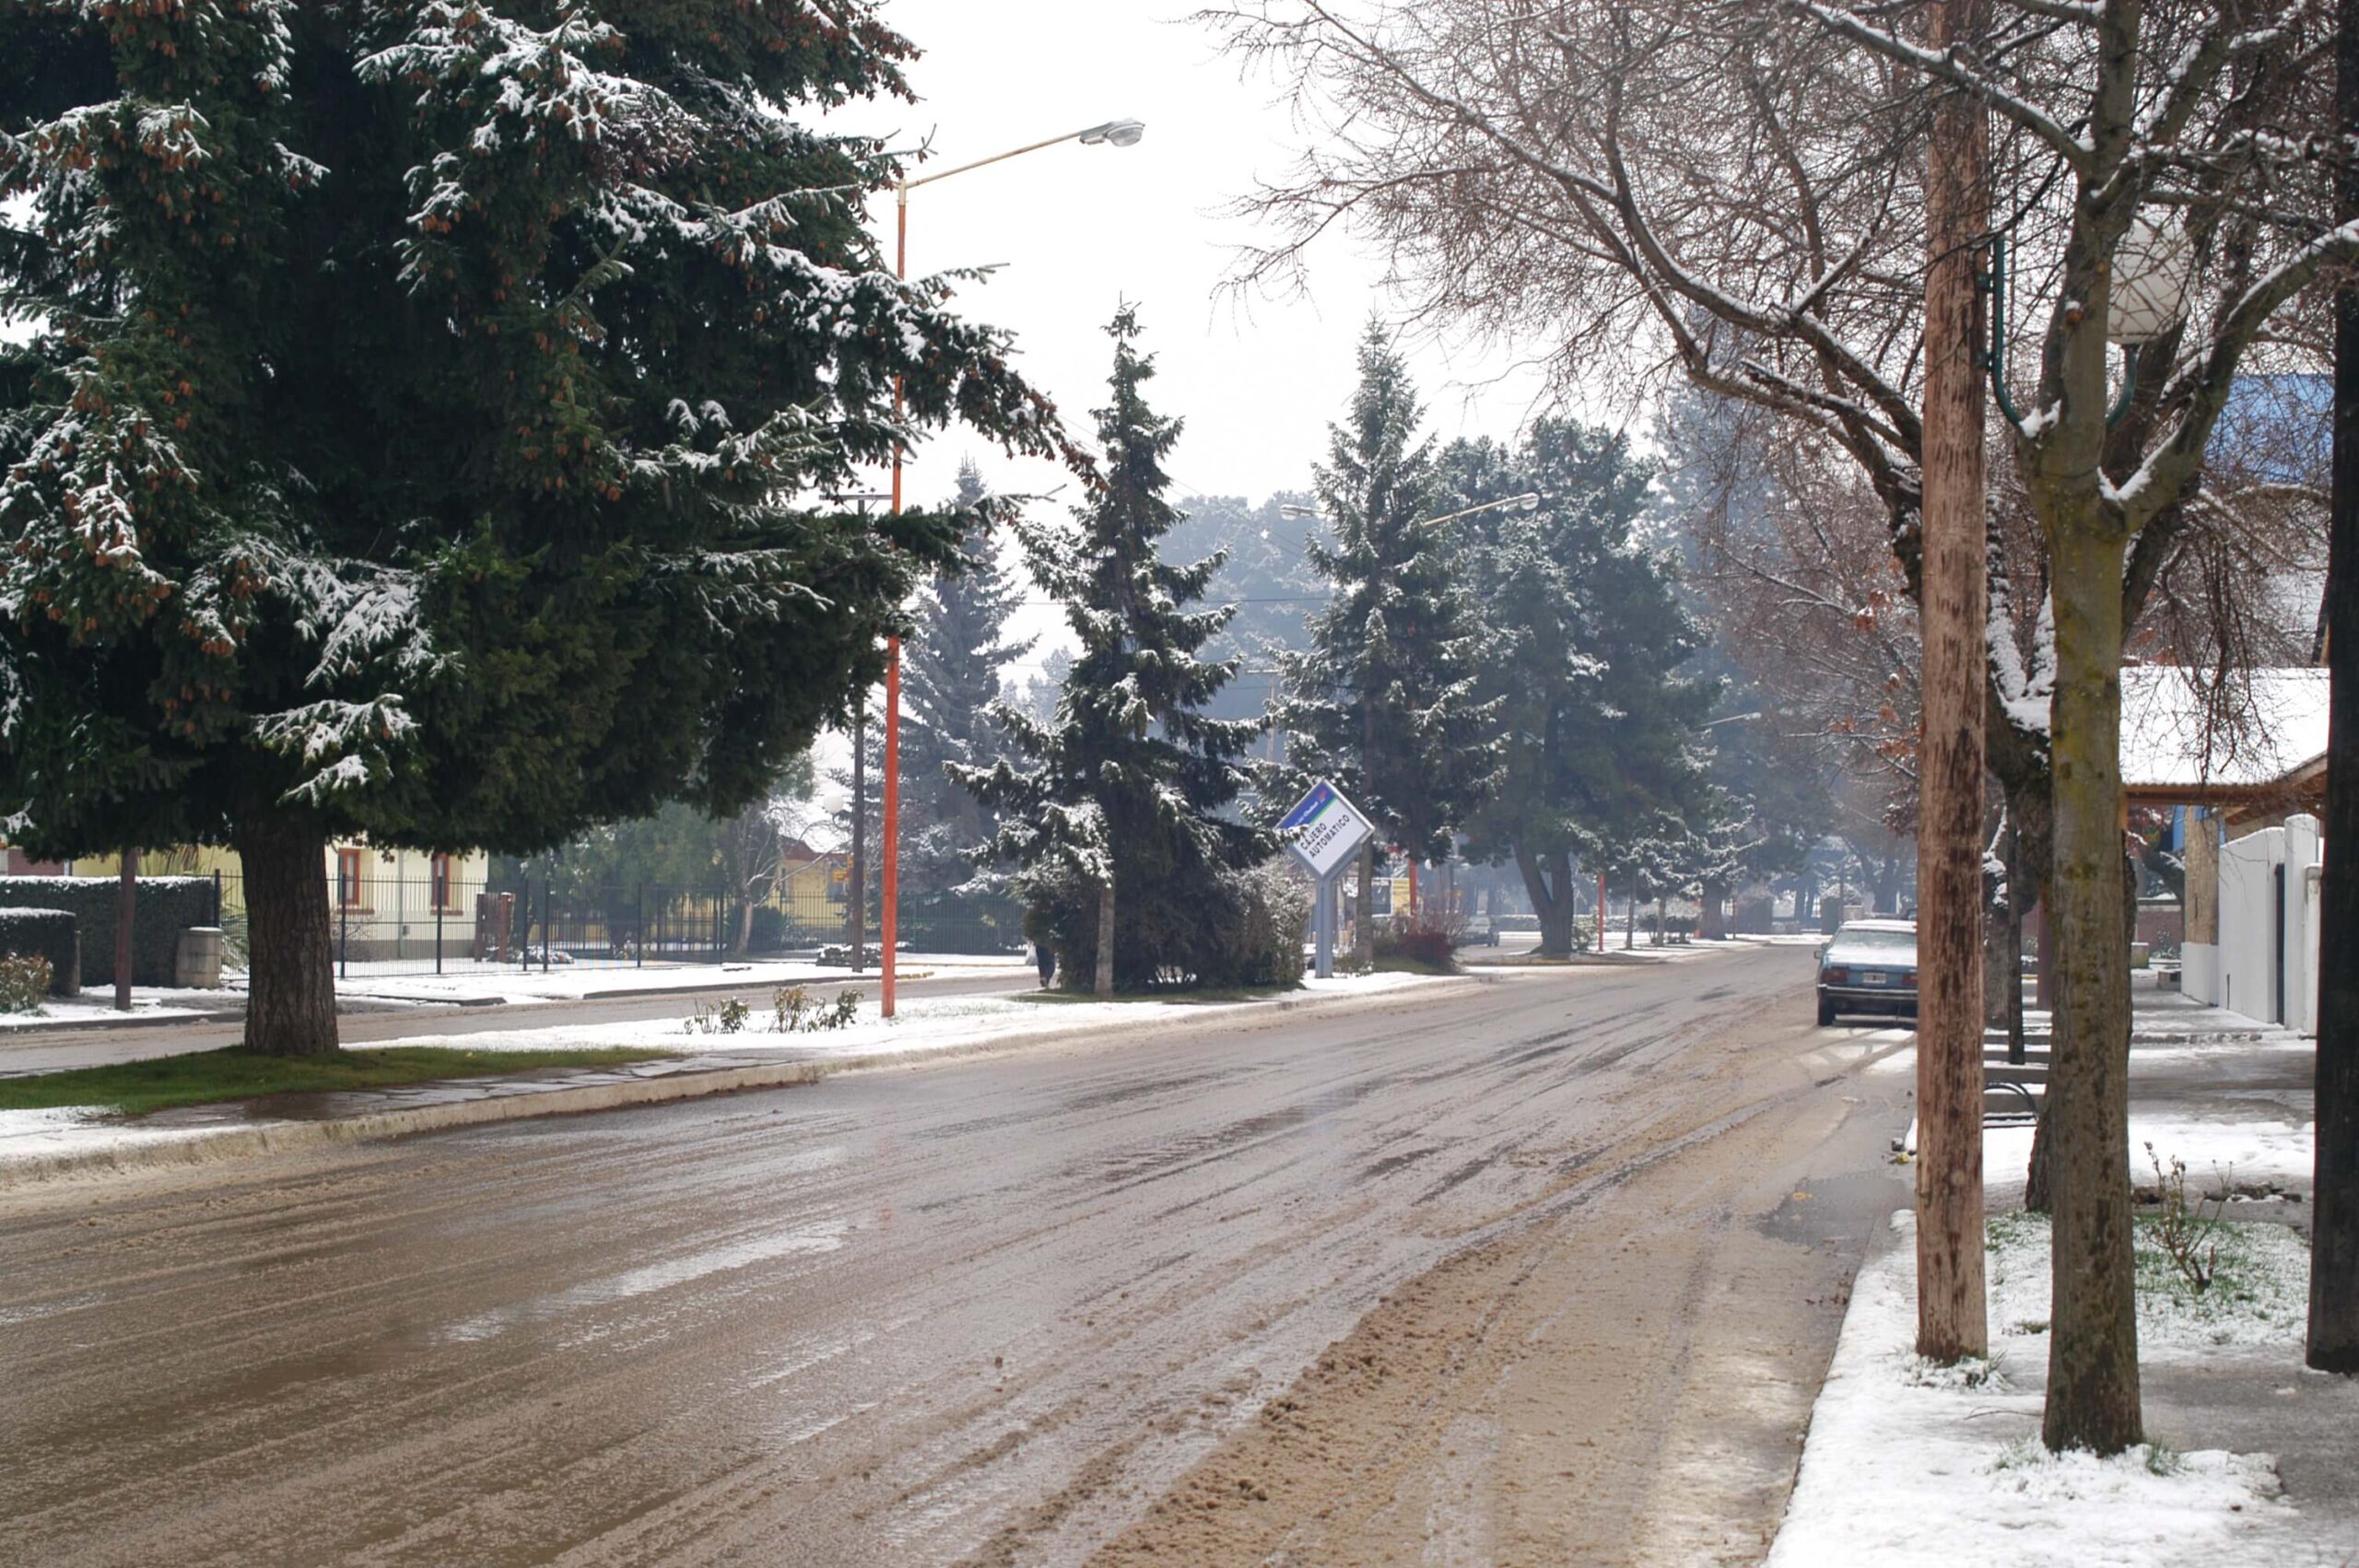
(2151, 265)
(1109, 133)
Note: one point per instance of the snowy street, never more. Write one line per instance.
(998, 1306)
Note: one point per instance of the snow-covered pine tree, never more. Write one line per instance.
(1588, 659)
(950, 678)
(1385, 701)
(1111, 808)
(412, 436)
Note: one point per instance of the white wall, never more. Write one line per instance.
(2248, 923)
(2198, 972)
(2249, 913)
(2305, 854)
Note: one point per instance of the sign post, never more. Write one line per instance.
(1323, 833)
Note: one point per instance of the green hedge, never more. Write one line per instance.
(168, 905)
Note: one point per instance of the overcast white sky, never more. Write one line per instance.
(1082, 228)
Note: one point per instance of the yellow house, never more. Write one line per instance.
(387, 904)
(813, 888)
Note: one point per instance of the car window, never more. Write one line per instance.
(1878, 941)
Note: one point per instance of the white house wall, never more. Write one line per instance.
(2249, 923)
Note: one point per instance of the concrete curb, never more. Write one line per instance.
(288, 1137)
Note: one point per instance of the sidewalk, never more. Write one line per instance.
(589, 982)
(41, 1145)
(2254, 1459)
(371, 989)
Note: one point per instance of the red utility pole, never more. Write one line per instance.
(1951, 1314)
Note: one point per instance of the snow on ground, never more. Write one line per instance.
(2260, 1292)
(2263, 1152)
(570, 982)
(922, 1023)
(79, 1129)
(1910, 1464)
(147, 1002)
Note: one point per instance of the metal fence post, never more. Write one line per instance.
(438, 931)
(548, 923)
(216, 897)
(343, 929)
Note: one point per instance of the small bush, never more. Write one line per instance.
(766, 931)
(793, 1012)
(2185, 1230)
(49, 935)
(1427, 946)
(729, 1019)
(24, 980)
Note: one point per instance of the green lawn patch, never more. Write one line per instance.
(202, 1077)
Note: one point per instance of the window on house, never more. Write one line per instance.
(439, 872)
(347, 877)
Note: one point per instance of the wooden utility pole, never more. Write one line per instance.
(2334, 1219)
(1952, 1317)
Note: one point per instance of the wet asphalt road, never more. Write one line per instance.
(887, 1319)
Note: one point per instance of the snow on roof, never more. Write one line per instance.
(2276, 729)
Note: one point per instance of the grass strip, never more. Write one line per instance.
(236, 1073)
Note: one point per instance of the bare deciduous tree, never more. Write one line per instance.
(1732, 192)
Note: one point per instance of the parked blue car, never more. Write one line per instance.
(1868, 967)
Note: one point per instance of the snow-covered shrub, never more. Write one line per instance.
(1222, 928)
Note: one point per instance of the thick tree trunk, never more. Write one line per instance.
(2334, 1236)
(2093, 1396)
(291, 993)
(1106, 939)
(1712, 920)
(1951, 1314)
(1554, 907)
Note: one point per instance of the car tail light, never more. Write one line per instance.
(1836, 977)
(1910, 979)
